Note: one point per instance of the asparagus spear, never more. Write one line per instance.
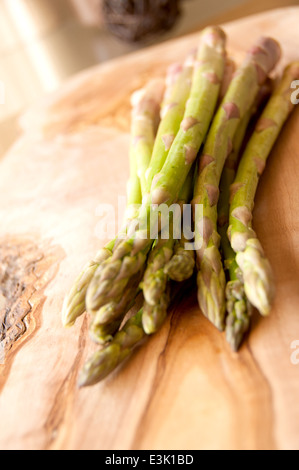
(130, 255)
(154, 315)
(177, 90)
(155, 280)
(145, 115)
(100, 330)
(106, 321)
(156, 284)
(74, 303)
(181, 266)
(103, 334)
(256, 269)
(229, 71)
(178, 86)
(238, 307)
(104, 361)
(180, 270)
(238, 100)
(172, 110)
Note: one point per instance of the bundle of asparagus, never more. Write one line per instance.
(201, 136)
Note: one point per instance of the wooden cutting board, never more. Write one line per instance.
(184, 388)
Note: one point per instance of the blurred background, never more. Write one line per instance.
(44, 42)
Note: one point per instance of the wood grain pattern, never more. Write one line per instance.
(183, 388)
(26, 269)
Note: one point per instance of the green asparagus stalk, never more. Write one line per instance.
(144, 122)
(156, 285)
(181, 266)
(130, 255)
(106, 360)
(141, 149)
(177, 90)
(238, 100)
(155, 280)
(101, 330)
(178, 86)
(154, 316)
(255, 268)
(229, 71)
(74, 304)
(145, 116)
(145, 112)
(238, 307)
(207, 78)
(132, 333)
(103, 334)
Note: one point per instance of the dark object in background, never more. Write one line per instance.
(140, 20)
